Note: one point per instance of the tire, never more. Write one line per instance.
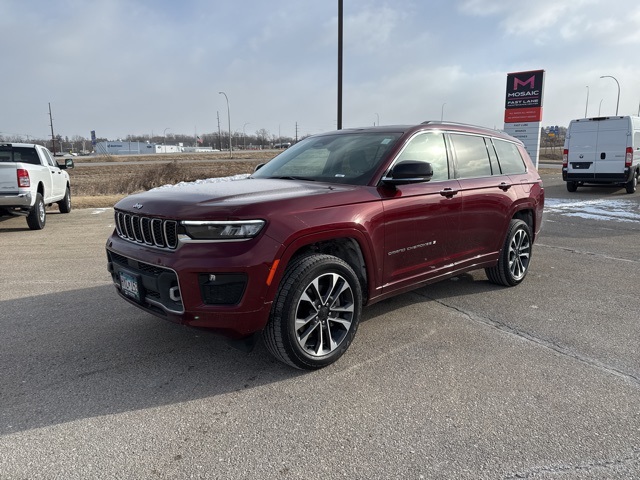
(572, 186)
(515, 256)
(316, 312)
(65, 204)
(632, 184)
(37, 217)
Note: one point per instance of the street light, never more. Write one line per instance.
(244, 136)
(587, 104)
(442, 111)
(378, 117)
(164, 140)
(229, 120)
(617, 83)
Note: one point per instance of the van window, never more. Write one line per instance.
(509, 157)
(428, 147)
(471, 155)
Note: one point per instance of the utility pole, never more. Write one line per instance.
(53, 138)
(296, 132)
(219, 134)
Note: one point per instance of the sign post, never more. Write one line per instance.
(523, 109)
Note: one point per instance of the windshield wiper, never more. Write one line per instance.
(292, 177)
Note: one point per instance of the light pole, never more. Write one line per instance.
(229, 120)
(164, 140)
(617, 83)
(600, 107)
(244, 136)
(442, 111)
(587, 104)
(378, 117)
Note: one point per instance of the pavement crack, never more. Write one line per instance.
(547, 344)
(586, 252)
(600, 467)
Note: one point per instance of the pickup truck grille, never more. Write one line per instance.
(157, 232)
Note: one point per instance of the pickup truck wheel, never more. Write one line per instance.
(38, 215)
(65, 204)
(632, 184)
(572, 186)
(515, 256)
(316, 312)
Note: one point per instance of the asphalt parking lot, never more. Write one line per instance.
(460, 379)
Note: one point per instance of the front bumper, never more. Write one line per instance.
(218, 286)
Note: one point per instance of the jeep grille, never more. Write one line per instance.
(157, 232)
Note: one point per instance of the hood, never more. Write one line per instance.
(230, 198)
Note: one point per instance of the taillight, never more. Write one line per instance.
(565, 157)
(23, 178)
(628, 159)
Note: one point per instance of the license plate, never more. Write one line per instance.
(130, 286)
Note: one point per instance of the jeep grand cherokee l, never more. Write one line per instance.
(336, 222)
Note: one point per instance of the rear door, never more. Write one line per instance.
(582, 147)
(611, 147)
(488, 195)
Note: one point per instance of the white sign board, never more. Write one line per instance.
(529, 134)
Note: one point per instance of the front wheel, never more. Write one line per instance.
(37, 217)
(515, 256)
(316, 312)
(65, 204)
(632, 184)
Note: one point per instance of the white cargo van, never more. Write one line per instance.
(602, 150)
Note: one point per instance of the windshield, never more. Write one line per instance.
(350, 158)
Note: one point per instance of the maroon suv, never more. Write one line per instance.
(338, 221)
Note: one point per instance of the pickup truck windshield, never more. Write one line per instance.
(350, 158)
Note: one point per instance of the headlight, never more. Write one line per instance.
(230, 230)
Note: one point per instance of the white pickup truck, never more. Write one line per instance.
(30, 180)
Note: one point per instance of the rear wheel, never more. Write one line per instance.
(37, 217)
(65, 204)
(632, 184)
(316, 312)
(572, 186)
(515, 256)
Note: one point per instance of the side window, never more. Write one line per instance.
(471, 155)
(509, 157)
(428, 147)
(50, 160)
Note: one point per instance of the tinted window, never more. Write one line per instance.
(428, 147)
(509, 157)
(471, 155)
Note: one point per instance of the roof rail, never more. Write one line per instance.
(460, 124)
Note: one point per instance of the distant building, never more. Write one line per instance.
(125, 148)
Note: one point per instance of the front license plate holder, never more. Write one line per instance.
(130, 285)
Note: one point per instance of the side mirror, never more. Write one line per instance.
(68, 163)
(409, 171)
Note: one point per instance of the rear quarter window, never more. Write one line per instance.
(509, 157)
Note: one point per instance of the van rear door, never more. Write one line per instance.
(582, 149)
(613, 136)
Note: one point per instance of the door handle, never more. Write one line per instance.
(448, 192)
(504, 186)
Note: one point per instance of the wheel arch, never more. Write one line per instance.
(345, 246)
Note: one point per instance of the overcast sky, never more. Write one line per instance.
(123, 67)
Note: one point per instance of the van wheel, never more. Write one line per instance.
(65, 204)
(632, 184)
(316, 312)
(515, 256)
(572, 186)
(38, 215)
